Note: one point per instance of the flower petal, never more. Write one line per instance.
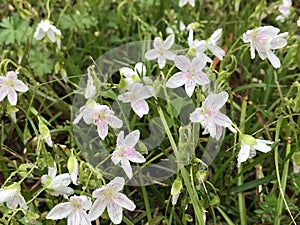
(198, 63)
(114, 212)
(157, 43)
(190, 87)
(132, 138)
(127, 72)
(201, 78)
(182, 2)
(97, 209)
(170, 55)
(6, 194)
(169, 42)
(196, 116)
(279, 41)
(176, 80)
(114, 121)
(60, 211)
(115, 158)
(20, 86)
(117, 184)
(216, 101)
(140, 68)
(182, 62)
(3, 92)
(151, 54)
(136, 157)
(243, 154)
(12, 96)
(127, 167)
(273, 59)
(262, 145)
(62, 179)
(123, 201)
(161, 60)
(140, 108)
(222, 120)
(102, 129)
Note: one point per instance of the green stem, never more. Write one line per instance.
(146, 201)
(241, 195)
(185, 175)
(228, 220)
(48, 10)
(281, 183)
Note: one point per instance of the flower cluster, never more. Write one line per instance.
(108, 196)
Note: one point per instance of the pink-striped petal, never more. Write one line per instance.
(140, 107)
(127, 167)
(12, 96)
(97, 209)
(132, 138)
(114, 212)
(123, 201)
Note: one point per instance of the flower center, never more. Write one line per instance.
(207, 113)
(261, 38)
(109, 193)
(9, 82)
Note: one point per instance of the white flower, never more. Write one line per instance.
(135, 76)
(74, 210)
(161, 51)
(43, 28)
(85, 111)
(110, 198)
(264, 40)
(212, 44)
(249, 145)
(184, 2)
(57, 185)
(102, 116)
(12, 196)
(9, 86)
(125, 151)
(298, 22)
(210, 117)
(285, 10)
(90, 90)
(197, 47)
(190, 75)
(136, 95)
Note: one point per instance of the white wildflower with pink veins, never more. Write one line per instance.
(285, 10)
(210, 117)
(46, 28)
(191, 74)
(161, 51)
(126, 153)
(249, 145)
(102, 116)
(9, 86)
(109, 197)
(136, 95)
(74, 210)
(57, 185)
(197, 47)
(12, 197)
(264, 40)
